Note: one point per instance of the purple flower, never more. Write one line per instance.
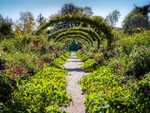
(146, 90)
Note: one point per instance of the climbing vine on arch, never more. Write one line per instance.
(97, 28)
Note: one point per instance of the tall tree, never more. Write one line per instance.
(18, 30)
(6, 30)
(27, 21)
(113, 17)
(69, 9)
(87, 11)
(40, 20)
(137, 19)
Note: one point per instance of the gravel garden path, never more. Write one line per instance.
(73, 88)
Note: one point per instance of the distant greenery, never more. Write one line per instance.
(92, 61)
(58, 62)
(137, 20)
(6, 28)
(82, 56)
(74, 46)
(113, 18)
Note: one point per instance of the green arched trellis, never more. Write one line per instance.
(73, 36)
(93, 35)
(99, 26)
(86, 35)
(80, 40)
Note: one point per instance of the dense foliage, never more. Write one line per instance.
(119, 84)
(24, 56)
(137, 20)
(106, 92)
(5, 28)
(45, 89)
(44, 92)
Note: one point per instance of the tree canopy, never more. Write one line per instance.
(137, 19)
(6, 30)
(113, 18)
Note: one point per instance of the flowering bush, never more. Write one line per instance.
(141, 95)
(119, 64)
(139, 62)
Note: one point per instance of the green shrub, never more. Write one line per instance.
(82, 55)
(22, 57)
(21, 64)
(102, 75)
(4, 108)
(58, 62)
(139, 62)
(136, 40)
(105, 92)
(44, 90)
(2, 64)
(141, 95)
(119, 64)
(53, 109)
(6, 88)
(90, 65)
(99, 58)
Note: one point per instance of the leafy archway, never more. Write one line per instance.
(90, 33)
(80, 41)
(77, 37)
(97, 26)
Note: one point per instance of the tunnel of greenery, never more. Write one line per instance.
(94, 27)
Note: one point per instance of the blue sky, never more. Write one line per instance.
(12, 8)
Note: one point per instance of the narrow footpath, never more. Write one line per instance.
(73, 88)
